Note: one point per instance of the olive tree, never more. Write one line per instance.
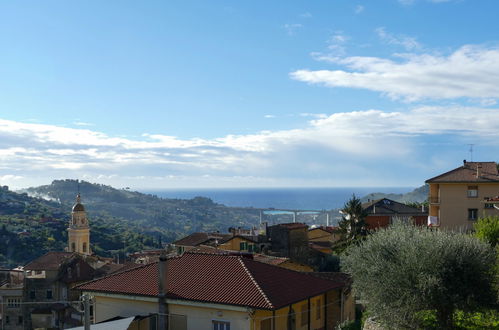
(403, 270)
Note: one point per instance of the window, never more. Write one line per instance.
(84, 247)
(251, 248)
(77, 270)
(472, 214)
(266, 324)
(13, 303)
(318, 308)
(70, 272)
(220, 325)
(73, 247)
(472, 191)
(7, 319)
(489, 206)
(32, 294)
(49, 294)
(304, 315)
(243, 246)
(19, 320)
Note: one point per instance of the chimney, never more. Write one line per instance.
(464, 162)
(162, 306)
(374, 208)
(478, 170)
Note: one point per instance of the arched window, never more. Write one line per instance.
(73, 247)
(84, 247)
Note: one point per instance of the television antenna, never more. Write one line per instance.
(471, 151)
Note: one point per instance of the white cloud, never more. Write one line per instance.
(409, 43)
(292, 28)
(306, 15)
(359, 9)
(328, 148)
(82, 123)
(471, 72)
(269, 116)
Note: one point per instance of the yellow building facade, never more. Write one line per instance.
(458, 198)
(323, 311)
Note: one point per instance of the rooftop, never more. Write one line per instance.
(385, 206)
(49, 261)
(201, 277)
(196, 239)
(487, 172)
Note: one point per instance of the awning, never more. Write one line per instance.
(122, 324)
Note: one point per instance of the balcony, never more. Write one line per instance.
(434, 200)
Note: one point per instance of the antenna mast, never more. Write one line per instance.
(471, 151)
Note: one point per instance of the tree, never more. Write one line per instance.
(404, 270)
(352, 225)
(487, 229)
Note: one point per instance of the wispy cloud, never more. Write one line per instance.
(470, 72)
(359, 9)
(292, 28)
(409, 43)
(82, 123)
(335, 47)
(318, 149)
(306, 15)
(269, 116)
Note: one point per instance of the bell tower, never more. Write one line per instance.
(79, 231)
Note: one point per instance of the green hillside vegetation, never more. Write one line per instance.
(121, 221)
(418, 195)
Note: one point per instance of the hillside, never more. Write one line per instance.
(171, 217)
(122, 221)
(418, 195)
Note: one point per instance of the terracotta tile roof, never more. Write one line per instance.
(228, 238)
(196, 239)
(385, 206)
(269, 259)
(222, 279)
(49, 261)
(468, 174)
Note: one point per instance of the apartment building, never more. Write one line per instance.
(458, 198)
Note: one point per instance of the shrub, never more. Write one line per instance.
(404, 270)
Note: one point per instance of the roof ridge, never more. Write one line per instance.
(255, 283)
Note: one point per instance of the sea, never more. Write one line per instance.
(280, 198)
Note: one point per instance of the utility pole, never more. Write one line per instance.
(162, 305)
(86, 310)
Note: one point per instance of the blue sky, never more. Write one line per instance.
(177, 94)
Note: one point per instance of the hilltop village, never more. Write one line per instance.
(279, 276)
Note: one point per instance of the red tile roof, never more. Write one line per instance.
(468, 174)
(196, 239)
(219, 279)
(49, 261)
(271, 260)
